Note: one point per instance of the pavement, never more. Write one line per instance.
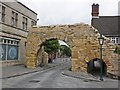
(20, 69)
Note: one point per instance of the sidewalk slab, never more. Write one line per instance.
(18, 70)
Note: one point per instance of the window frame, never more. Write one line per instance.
(32, 23)
(2, 13)
(115, 40)
(14, 19)
(9, 42)
(24, 23)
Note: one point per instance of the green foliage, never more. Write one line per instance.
(117, 50)
(51, 45)
(65, 50)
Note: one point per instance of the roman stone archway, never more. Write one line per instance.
(83, 41)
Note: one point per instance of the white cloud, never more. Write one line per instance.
(69, 11)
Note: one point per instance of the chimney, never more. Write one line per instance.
(95, 10)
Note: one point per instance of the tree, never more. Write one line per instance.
(65, 50)
(51, 46)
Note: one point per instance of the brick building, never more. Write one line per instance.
(15, 21)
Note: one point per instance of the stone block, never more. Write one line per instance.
(45, 59)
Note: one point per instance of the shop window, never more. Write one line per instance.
(9, 49)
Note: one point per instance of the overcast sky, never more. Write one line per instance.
(69, 11)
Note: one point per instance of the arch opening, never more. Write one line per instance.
(93, 67)
(54, 49)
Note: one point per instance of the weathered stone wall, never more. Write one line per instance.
(83, 41)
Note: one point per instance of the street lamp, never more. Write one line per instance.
(101, 41)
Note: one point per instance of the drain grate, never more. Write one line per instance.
(34, 81)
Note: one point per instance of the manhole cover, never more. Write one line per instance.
(34, 81)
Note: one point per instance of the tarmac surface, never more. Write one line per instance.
(18, 70)
(55, 75)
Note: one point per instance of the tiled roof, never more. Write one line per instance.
(107, 25)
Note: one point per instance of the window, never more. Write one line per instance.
(24, 23)
(5, 41)
(117, 40)
(14, 19)
(33, 23)
(25, 44)
(9, 49)
(114, 39)
(2, 13)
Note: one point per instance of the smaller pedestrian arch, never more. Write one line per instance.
(82, 39)
(93, 67)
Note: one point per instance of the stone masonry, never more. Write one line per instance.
(82, 39)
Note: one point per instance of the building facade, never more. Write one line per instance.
(107, 25)
(15, 21)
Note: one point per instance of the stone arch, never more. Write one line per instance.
(93, 67)
(82, 39)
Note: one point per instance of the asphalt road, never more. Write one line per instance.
(53, 78)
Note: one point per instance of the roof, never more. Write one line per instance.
(3, 2)
(107, 25)
(26, 7)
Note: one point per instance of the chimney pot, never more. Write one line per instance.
(95, 10)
